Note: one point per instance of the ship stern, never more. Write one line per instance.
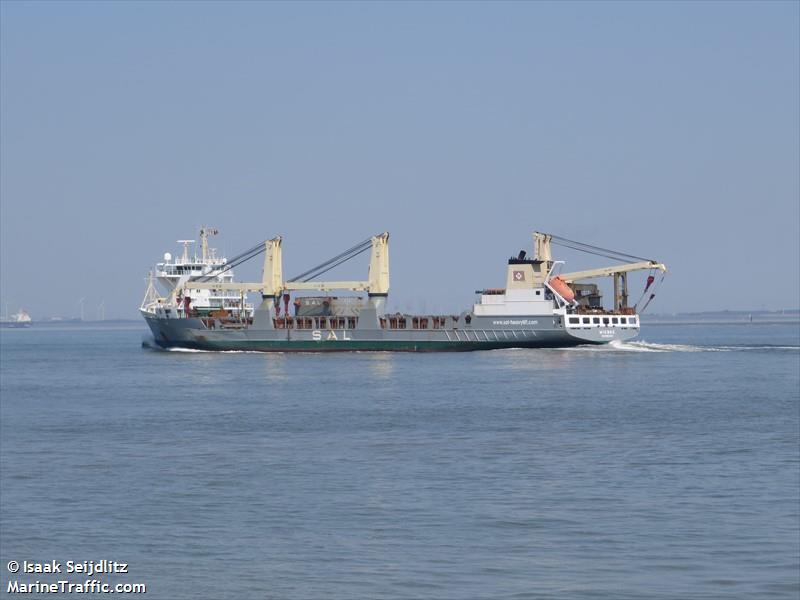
(602, 329)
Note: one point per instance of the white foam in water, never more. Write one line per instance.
(188, 350)
(150, 343)
(195, 351)
(642, 346)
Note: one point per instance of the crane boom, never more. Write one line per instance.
(273, 284)
(620, 275)
(609, 271)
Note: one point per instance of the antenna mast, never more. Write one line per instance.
(204, 233)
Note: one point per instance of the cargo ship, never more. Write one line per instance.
(200, 306)
(18, 320)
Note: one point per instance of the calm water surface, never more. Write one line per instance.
(666, 468)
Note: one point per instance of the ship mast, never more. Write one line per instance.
(204, 233)
(185, 249)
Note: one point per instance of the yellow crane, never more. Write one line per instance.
(619, 272)
(272, 284)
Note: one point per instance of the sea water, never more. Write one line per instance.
(663, 468)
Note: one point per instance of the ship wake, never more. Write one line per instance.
(645, 346)
(149, 342)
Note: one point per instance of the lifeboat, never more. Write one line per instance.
(562, 289)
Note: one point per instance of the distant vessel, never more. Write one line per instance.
(205, 309)
(17, 320)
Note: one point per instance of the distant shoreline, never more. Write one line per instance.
(760, 321)
(724, 317)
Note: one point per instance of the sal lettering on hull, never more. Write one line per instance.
(316, 335)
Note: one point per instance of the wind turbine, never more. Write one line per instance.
(102, 310)
(81, 303)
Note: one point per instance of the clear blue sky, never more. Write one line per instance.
(668, 130)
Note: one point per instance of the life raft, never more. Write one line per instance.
(562, 288)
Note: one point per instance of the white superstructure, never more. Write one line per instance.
(166, 296)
